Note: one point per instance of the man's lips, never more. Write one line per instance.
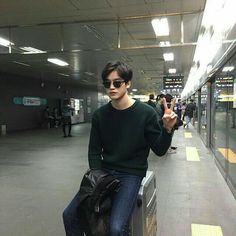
(112, 93)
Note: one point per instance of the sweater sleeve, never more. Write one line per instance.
(95, 145)
(157, 136)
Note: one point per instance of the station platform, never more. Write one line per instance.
(40, 172)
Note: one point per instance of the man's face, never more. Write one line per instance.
(117, 87)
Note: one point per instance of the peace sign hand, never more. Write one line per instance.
(169, 118)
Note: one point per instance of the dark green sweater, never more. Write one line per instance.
(121, 139)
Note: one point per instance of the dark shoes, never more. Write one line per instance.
(69, 135)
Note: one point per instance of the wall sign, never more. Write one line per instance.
(30, 101)
(222, 82)
(173, 82)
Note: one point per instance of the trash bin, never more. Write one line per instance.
(3, 129)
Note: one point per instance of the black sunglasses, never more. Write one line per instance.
(116, 83)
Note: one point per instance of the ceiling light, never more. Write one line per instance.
(57, 61)
(30, 50)
(21, 63)
(164, 43)
(66, 75)
(161, 27)
(89, 73)
(168, 56)
(228, 68)
(172, 70)
(5, 42)
(134, 90)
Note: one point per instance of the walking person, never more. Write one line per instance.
(67, 112)
(183, 111)
(47, 118)
(179, 109)
(189, 110)
(56, 117)
(122, 133)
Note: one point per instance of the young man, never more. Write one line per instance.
(122, 133)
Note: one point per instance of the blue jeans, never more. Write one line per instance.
(188, 120)
(122, 207)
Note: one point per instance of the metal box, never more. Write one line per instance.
(144, 218)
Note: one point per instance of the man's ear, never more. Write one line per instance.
(128, 84)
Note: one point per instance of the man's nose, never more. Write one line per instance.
(112, 85)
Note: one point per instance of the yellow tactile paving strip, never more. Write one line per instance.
(206, 230)
(188, 135)
(228, 154)
(192, 154)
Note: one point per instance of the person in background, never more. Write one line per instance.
(169, 98)
(190, 108)
(67, 112)
(179, 109)
(233, 111)
(56, 117)
(151, 101)
(122, 133)
(47, 118)
(183, 111)
(159, 109)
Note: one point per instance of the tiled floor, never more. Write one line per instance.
(40, 171)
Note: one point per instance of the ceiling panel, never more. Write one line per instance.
(89, 33)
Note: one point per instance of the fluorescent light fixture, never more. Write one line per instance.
(228, 68)
(134, 90)
(161, 27)
(66, 75)
(57, 61)
(168, 56)
(172, 70)
(89, 73)
(21, 63)
(164, 43)
(30, 50)
(5, 43)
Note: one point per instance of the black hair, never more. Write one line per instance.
(159, 96)
(168, 97)
(151, 96)
(123, 70)
(66, 101)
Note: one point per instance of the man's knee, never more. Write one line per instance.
(65, 216)
(68, 215)
(116, 230)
